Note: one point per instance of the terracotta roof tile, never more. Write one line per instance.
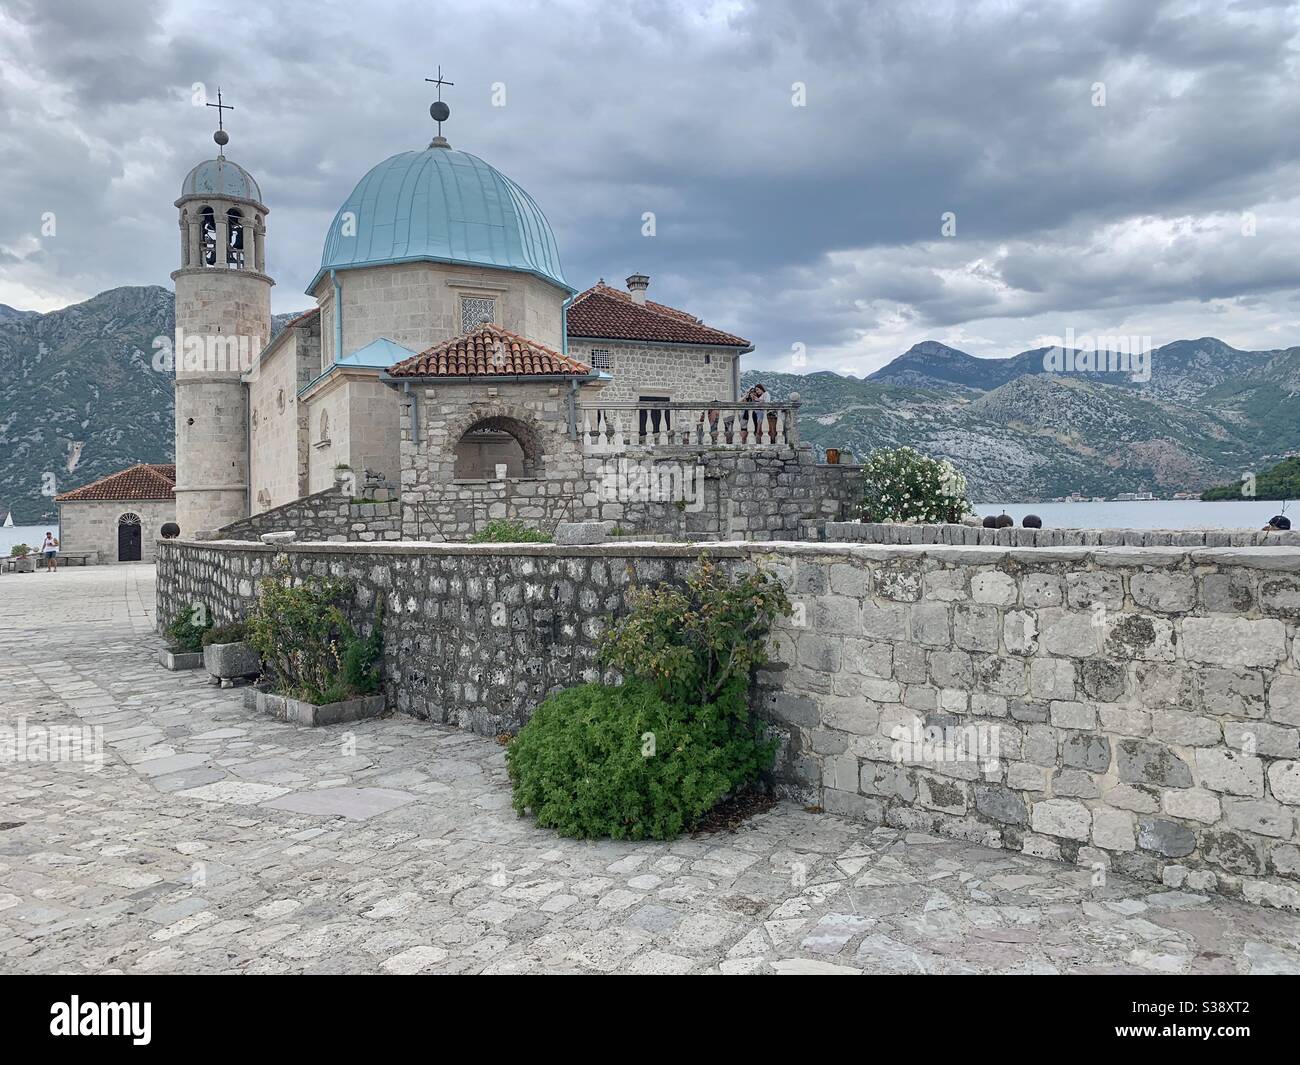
(606, 313)
(147, 480)
(489, 351)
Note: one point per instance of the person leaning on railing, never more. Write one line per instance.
(757, 394)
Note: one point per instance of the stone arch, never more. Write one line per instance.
(485, 436)
(207, 236)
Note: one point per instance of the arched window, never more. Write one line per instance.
(185, 238)
(235, 235)
(497, 441)
(324, 426)
(208, 236)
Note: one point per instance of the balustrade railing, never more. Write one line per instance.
(616, 427)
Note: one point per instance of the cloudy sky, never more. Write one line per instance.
(1107, 166)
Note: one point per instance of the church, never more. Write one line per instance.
(449, 375)
(447, 356)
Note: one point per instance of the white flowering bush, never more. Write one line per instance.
(901, 484)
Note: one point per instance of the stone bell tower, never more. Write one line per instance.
(223, 320)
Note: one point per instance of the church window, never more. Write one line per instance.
(324, 426)
(601, 359)
(474, 310)
(235, 236)
(208, 236)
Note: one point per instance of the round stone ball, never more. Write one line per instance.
(1032, 521)
(991, 522)
(170, 530)
(439, 111)
(1005, 521)
(1279, 521)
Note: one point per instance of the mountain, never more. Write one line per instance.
(10, 314)
(79, 397)
(1206, 413)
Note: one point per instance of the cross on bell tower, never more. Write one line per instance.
(438, 110)
(221, 136)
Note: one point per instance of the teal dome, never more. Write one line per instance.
(441, 206)
(221, 177)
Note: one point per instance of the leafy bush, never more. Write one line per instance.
(307, 642)
(692, 643)
(186, 632)
(1280, 482)
(904, 485)
(18, 550)
(649, 758)
(509, 531)
(622, 762)
(231, 632)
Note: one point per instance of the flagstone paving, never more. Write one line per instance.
(211, 839)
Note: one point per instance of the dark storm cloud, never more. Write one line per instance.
(815, 225)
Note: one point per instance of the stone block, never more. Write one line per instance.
(1234, 641)
(1284, 700)
(1181, 729)
(1061, 817)
(993, 587)
(1168, 593)
(1191, 804)
(1041, 589)
(1052, 678)
(1086, 751)
(1068, 714)
(1143, 762)
(1165, 837)
(1230, 772)
(976, 626)
(1113, 830)
(1001, 804)
(1020, 632)
(1260, 816)
(1284, 782)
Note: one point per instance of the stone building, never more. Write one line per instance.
(119, 517)
(446, 356)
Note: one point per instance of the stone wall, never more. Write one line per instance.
(966, 535)
(759, 494)
(1125, 709)
(331, 515)
(685, 373)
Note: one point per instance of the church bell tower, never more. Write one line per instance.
(223, 320)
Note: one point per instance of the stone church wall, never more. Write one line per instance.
(684, 373)
(1126, 710)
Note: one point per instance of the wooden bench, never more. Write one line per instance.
(79, 558)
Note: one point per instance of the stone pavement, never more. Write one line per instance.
(213, 840)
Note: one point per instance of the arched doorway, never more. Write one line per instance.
(495, 441)
(129, 536)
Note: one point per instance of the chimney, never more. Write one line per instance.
(637, 284)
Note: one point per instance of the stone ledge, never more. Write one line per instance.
(1285, 559)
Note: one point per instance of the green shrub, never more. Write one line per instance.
(231, 632)
(509, 531)
(18, 550)
(622, 762)
(186, 632)
(648, 759)
(904, 485)
(691, 643)
(307, 642)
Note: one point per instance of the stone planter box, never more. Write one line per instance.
(180, 660)
(229, 662)
(303, 713)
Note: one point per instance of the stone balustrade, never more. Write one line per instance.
(615, 428)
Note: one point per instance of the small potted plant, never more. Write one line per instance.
(228, 656)
(185, 638)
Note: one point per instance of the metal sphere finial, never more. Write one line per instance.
(221, 137)
(439, 111)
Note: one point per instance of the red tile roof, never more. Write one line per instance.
(606, 313)
(147, 480)
(489, 351)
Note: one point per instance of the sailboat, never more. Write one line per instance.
(9, 520)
